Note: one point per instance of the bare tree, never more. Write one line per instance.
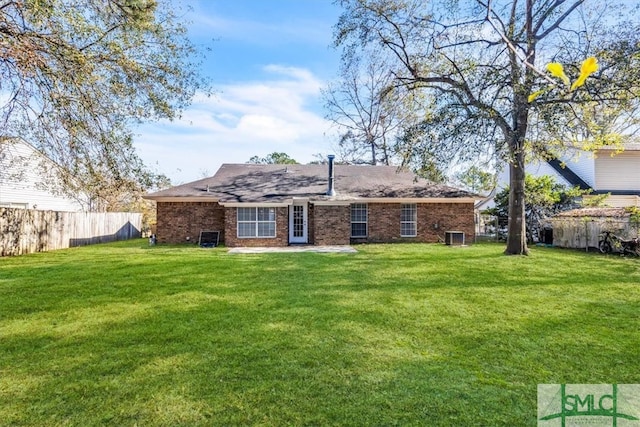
(367, 108)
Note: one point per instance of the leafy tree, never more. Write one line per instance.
(428, 160)
(274, 158)
(429, 169)
(481, 65)
(596, 201)
(76, 75)
(477, 179)
(544, 197)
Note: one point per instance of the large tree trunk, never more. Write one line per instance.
(516, 231)
(517, 236)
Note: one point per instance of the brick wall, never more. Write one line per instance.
(282, 230)
(383, 223)
(331, 225)
(448, 217)
(177, 221)
(311, 229)
(328, 225)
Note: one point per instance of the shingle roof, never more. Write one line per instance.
(630, 146)
(279, 183)
(594, 212)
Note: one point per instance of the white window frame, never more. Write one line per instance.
(409, 220)
(360, 207)
(257, 222)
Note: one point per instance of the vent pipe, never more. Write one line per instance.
(331, 191)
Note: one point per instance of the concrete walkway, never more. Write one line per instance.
(305, 248)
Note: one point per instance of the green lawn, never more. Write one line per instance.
(427, 335)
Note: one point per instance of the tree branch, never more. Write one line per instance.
(557, 23)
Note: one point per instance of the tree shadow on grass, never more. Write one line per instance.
(297, 340)
(300, 360)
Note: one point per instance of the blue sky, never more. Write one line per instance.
(268, 61)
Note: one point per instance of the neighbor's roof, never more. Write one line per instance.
(594, 212)
(253, 183)
(630, 146)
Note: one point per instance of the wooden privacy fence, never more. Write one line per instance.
(25, 231)
(581, 228)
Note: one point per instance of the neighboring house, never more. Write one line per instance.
(618, 174)
(280, 205)
(23, 183)
(602, 172)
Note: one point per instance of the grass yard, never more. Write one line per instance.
(126, 334)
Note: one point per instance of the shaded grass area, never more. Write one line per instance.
(125, 334)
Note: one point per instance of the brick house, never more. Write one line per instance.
(281, 205)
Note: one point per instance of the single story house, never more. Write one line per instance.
(281, 205)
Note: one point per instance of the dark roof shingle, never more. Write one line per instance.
(279, 183)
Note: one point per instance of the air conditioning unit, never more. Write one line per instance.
(454, 238)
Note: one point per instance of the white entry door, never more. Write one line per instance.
(298, 223)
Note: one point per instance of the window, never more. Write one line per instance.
(359, 220)
(408, 220)
(256, 222)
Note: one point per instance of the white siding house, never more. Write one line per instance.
(23, 182)
(618, 173)
(583, 164)
(605, 171)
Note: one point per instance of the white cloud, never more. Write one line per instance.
(267, 128)
(243, 120)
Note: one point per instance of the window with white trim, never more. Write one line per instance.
(409, 220)
(256, 222)
(359, 220)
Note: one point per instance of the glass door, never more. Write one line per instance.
(298, 223)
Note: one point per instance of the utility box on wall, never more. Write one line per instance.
(454, 238)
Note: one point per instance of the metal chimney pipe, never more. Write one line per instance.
(331, 191)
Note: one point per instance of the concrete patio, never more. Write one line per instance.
(302, 248)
